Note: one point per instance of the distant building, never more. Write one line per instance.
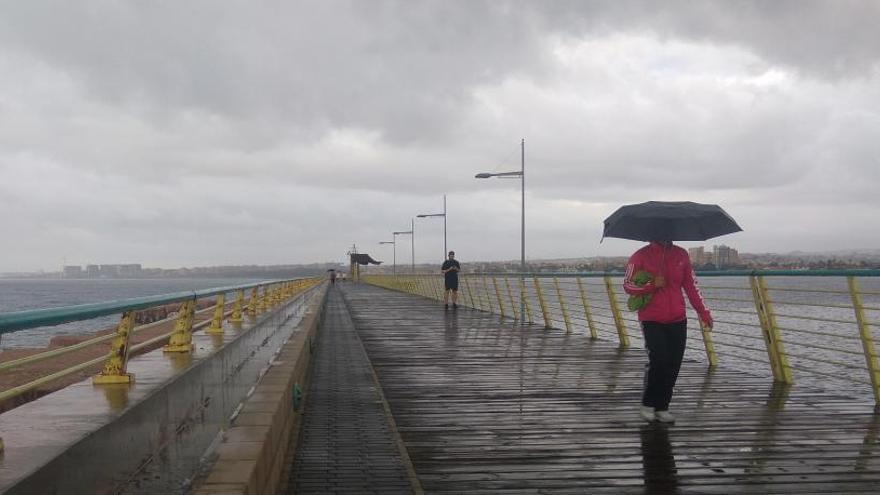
(698, 256)
(93, 271)
(108, 271)
(132, 270)
(73, 271)
(724, 256)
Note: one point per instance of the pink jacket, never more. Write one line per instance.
(667, 303)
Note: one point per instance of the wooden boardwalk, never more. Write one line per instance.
(488, 406)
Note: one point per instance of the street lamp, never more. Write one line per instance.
(428, 215)
(412, 238)
(522, 261)
(394, 254)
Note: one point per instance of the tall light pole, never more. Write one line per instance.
(394, 254)
(409, 232)
(427, 215)
(522, 260)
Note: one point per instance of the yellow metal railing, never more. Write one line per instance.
(177, 340)
(820, 324)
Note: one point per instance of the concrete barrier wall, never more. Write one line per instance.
(250, 460)
(155, 433)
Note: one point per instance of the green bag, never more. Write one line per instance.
(635, 303)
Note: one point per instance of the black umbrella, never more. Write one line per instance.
(669, 221)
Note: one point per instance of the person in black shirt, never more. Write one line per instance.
(450, 271)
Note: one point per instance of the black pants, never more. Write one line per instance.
(665, 344)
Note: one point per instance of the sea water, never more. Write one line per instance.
(25, 294)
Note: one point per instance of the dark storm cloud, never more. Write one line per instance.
(145, 130)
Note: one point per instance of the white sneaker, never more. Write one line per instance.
(647, 413)
(664, 417)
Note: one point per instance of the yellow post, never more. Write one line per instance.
(477, 294)
(523, 293)
(181, 339)
(587, 313)
(709, 344)
(562, 306)
(253, 305)
(498, 295)
(217, 322)
(543, 303)
(440, 287)
(513, 310)
(772, 338)
(117, 361)
(485, 283)
(866, 336)
(235, 317)
(615, 311)
(467, 285)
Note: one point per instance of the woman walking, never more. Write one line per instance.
(656, 276)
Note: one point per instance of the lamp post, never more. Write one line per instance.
(522, 261)
(394, 254)
(409, 232)
(427, 215)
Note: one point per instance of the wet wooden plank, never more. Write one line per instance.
(488, 406)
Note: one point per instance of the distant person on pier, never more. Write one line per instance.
(332, 277)
(450, 270)
(655, 276)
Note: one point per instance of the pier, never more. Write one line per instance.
(375, 388)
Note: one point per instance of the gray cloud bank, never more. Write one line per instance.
(195, 133)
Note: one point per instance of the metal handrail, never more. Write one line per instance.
(21, 320)
(274, 291)
(557, 301)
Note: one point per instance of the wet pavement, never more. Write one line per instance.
(485, 405)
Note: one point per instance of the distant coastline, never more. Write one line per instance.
(795, 260)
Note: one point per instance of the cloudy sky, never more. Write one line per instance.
(202, 132)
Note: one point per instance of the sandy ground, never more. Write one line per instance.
(26, 373)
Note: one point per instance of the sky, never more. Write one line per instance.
(199, 133)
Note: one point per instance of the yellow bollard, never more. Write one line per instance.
(265, 301)
(615, 311)
(181, 339)
(498, 295)
(543, 303)
(253, 304)
(274, 297)
(216, 327)
(594, 334)
(235, 317)
(117, 361)
(513, 307)
(866, 336)
(562, 306)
